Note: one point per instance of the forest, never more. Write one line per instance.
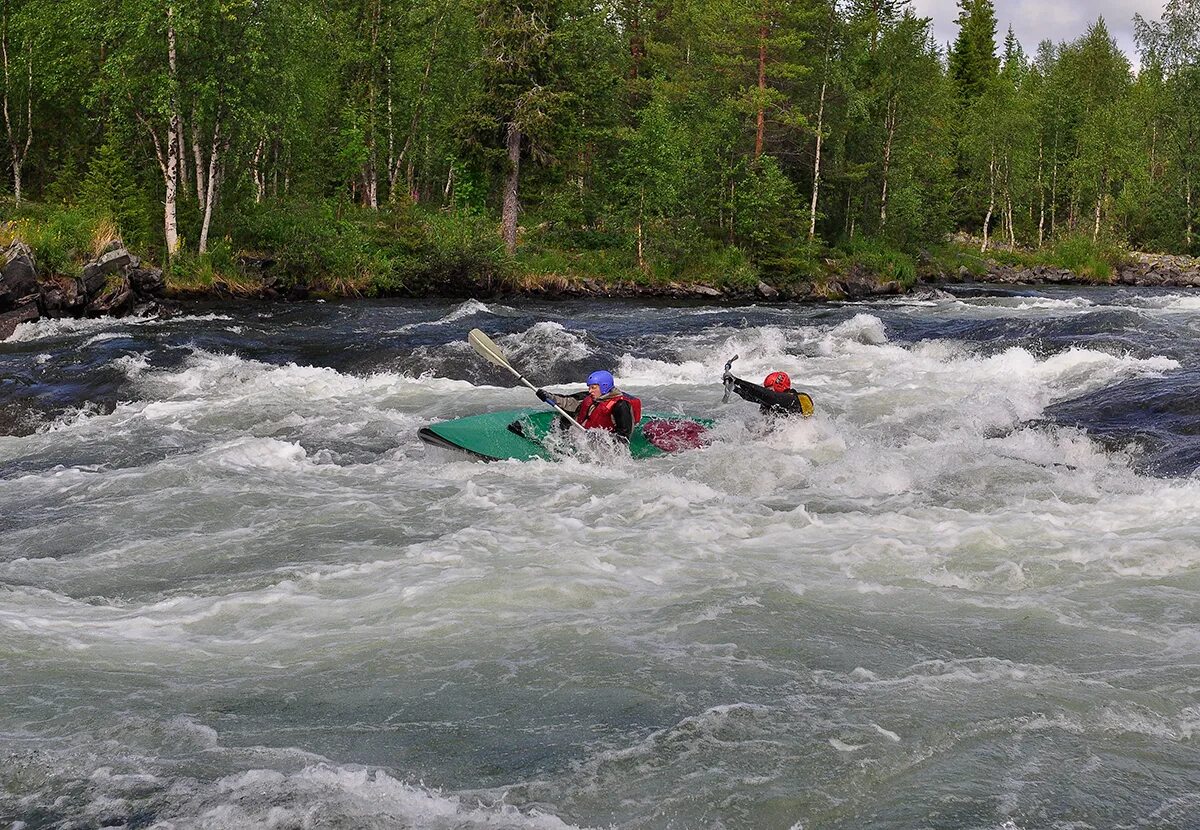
(388, 146)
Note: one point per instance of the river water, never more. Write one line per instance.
(236, 590)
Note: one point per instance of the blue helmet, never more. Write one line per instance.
(602, 379)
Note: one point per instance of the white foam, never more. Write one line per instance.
(1048, 303)
(469, 308)
(1176, 303)
(48, 328)
(360, 796)
(212, 539)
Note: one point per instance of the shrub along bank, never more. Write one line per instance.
(336, 249)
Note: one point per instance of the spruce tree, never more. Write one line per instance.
(973, 61)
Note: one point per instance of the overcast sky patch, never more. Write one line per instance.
(1058, 20)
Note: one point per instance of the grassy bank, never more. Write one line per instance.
(343, 250)
(337, 249)
(1096, 262)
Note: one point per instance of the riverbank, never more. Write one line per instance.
(115, 282)
(1142, 270)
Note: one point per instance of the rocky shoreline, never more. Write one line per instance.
(116, 284)
(1144, 270)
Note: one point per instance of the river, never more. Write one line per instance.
(236, 590)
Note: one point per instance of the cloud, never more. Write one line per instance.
(1058, 20)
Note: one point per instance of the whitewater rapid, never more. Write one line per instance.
(236, 590)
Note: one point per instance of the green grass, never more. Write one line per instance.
(614, 265)
(880, 259)
(1091, 261)
(338, 249)
(62, 237)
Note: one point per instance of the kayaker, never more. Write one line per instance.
(776, 395)
(601, 406)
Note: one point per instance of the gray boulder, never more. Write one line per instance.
(18, 276)
(9, 320)
(147, 282)
(115, 301)
(114, 260)
(61, 298)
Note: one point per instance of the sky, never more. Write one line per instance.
(1059, 20)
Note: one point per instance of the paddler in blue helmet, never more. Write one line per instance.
(601, 406)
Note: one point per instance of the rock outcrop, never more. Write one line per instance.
(114, 284)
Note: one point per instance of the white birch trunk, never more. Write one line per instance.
(1054, 187)
(371, 186)
(1041, 193)
(171, 167)
(641, 260)
(732, 211)
(987, 220)
(1012, 231)
(812, 211)
(198, 159)
(181, 152)
(1008, 203)
(18, 150)
(890, 126)
(1153, 142)
(393, 169)
(210, 195)
(260, 179)
(370, 173)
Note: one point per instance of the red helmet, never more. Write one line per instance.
(778, 382)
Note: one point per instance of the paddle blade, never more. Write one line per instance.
(483, 344)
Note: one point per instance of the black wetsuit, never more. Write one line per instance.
(790, 402)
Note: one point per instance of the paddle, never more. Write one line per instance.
(728, 383)
(483, 344)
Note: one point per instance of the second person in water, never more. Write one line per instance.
(602, 406)
(776, 395)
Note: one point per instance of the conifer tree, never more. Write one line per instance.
(973, 61)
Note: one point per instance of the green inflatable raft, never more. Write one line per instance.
(525, 434)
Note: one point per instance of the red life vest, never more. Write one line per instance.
(597, 414)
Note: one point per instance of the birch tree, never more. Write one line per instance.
(16, 60)
(1173, 43)
(906, 108)
(1101, 78)
(141, 81)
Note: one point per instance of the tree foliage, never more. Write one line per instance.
(657, 130)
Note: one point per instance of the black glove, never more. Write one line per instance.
(543, 395)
